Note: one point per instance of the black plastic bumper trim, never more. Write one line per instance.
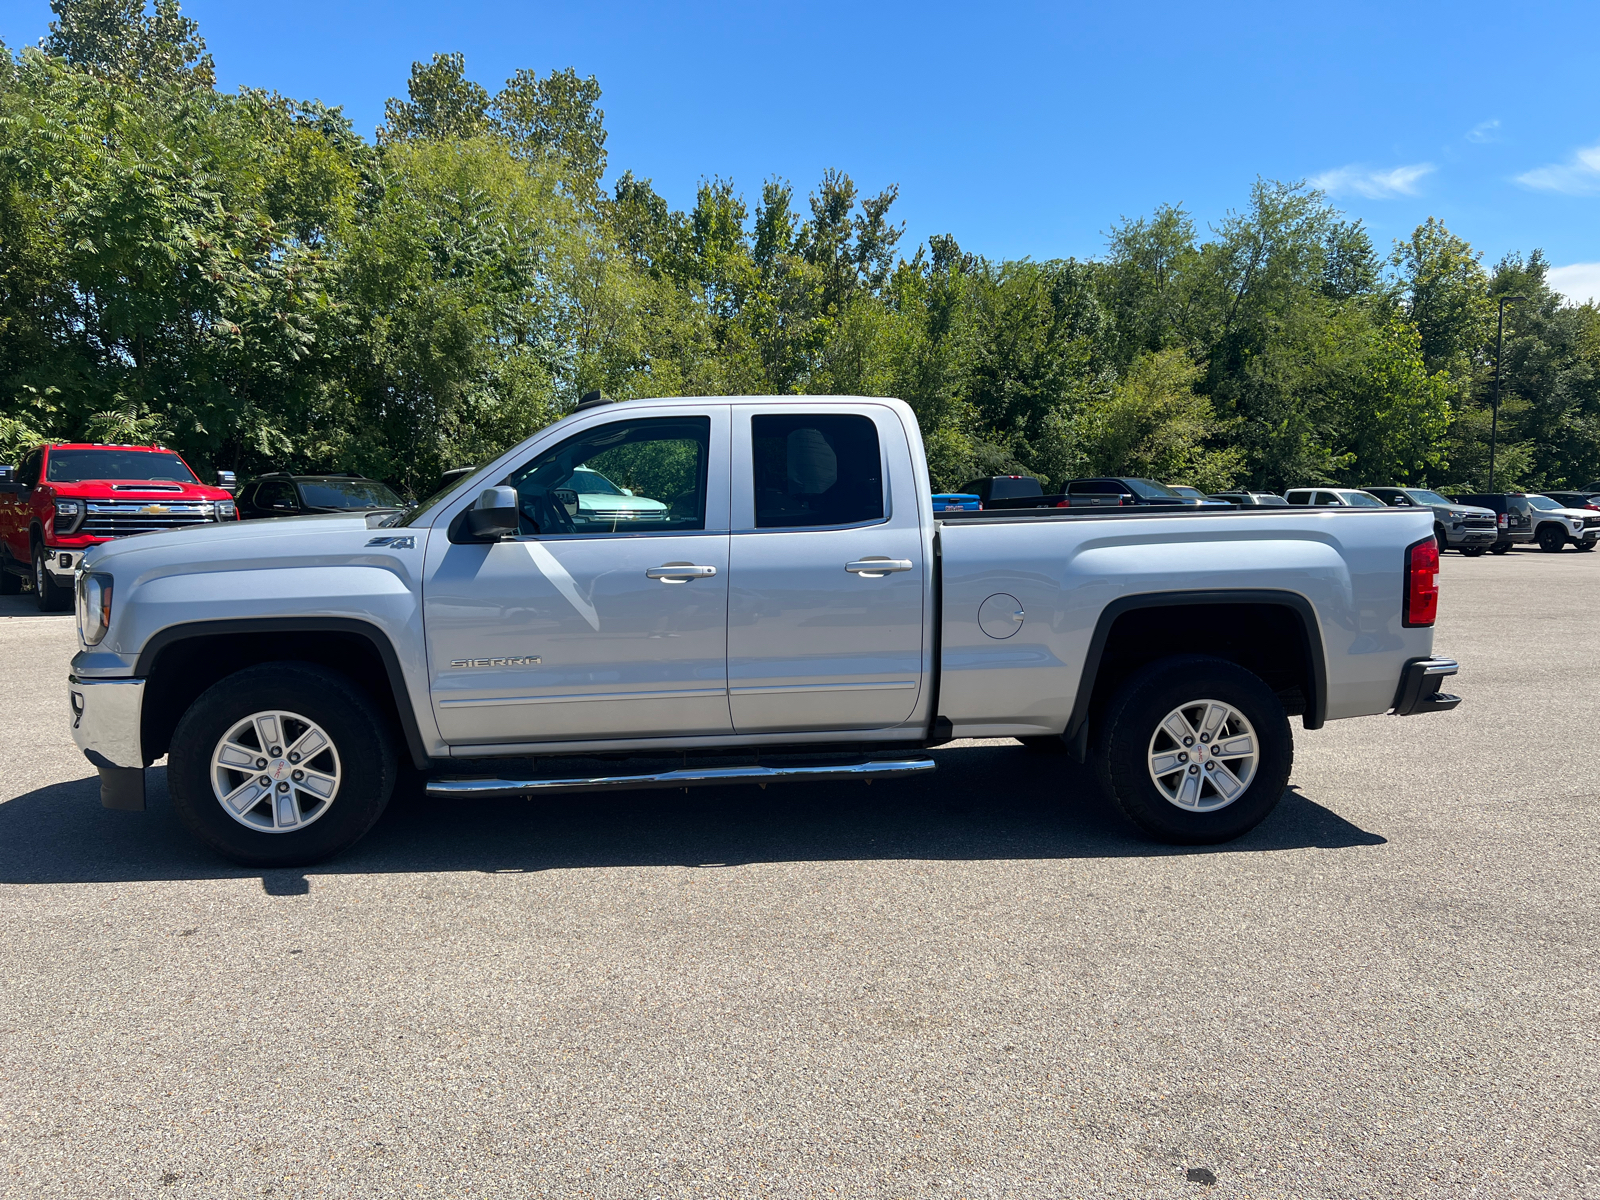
(1419, 687)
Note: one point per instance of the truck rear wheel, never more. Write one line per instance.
(1195, 750)
(281, 765)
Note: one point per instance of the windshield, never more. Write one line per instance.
(1544, 502)
(1424, 496)
(1362, 500)
(1149, 489)
(347, 493)
(76, 466)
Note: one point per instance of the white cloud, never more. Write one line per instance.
(1578, 282)
(1374, 185)
(1485, 131)
(1578, 176)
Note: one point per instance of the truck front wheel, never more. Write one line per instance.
(281, 765)
(51, 595)
(1195, 750)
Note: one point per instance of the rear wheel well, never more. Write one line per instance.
(1269, 638)
(184, 668)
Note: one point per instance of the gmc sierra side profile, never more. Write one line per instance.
(788, 607)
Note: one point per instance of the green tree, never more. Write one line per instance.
(442, 104)
(131, 42)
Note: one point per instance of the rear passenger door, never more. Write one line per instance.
(827, 570)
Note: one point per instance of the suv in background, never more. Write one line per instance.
(1513, 516)
(67, 497)
(1250, 499)
(1554, 525)
(283, 495)
(1575, 499)
(1333, 497)
(1133, 491)
(1456, 526)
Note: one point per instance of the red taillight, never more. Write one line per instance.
(1422, 583)
(1502, 521)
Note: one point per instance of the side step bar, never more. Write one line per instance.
(485, 787)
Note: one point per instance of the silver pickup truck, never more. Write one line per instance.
(755, 589)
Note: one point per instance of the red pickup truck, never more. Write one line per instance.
(67, 497)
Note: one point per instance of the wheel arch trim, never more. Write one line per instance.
(380, 642)
(1316, 665)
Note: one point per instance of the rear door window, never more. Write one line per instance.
(816, 469)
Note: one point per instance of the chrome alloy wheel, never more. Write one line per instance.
(1203, 755)
(275, 772)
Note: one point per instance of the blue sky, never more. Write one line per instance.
(1024, 129)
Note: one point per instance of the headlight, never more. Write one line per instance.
(94, 607)
(69, 515)
(225, 510)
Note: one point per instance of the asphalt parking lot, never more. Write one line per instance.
(977, 984)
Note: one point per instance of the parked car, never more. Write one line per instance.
(1457, 526)
(1135, 492)
(1250, 499)
(283, 495)
(956, 502)
(1332, 497)
(1190, 493)
(1554, 525)
(1512, 513)
(1167, 644)
(1025, 491)
(70, 496)
(1587, 500)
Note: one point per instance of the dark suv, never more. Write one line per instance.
(1513, 516)
(282, 495)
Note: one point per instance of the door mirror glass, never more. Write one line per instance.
(227, 481)
(644, 476)
(815, 469)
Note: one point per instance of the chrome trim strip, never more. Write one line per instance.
(484, 788)
(890, 685)
(578, 698)
(1440, 666)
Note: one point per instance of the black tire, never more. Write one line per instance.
(1441, 537)
(1550, 537)
(1474, 551)
(361, 739)
(1500, 548)
(1125, 735)
(1586, 544)
(51, 596)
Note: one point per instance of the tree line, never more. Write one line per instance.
(246, 278)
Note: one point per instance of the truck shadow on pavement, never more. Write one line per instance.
(984, 802)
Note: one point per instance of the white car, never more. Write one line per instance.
(1334, 496)
(601, 500)
(1555, 525)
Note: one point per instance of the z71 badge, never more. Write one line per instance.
(526, 660)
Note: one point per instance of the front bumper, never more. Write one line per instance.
(105, 725)
(1473, 537)
(62, 563)
(1419, 687)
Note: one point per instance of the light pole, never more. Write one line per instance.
(1499, 343)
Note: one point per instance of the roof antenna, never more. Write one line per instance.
(592, 400)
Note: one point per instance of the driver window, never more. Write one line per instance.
(645, 476)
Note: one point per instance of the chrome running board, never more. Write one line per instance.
(486, 787)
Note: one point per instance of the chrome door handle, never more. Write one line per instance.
(874, 568)
(680, 572)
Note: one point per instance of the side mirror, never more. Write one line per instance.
(8, 474)
(568, 498)
(494, 516)
(228, 482)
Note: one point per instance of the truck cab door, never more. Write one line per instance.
(605, 617)
(828, 611)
